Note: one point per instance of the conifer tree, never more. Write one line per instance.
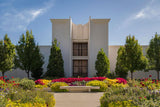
(28, 54)
(7, 55)
(102, 64)
(121, 69)
(153, 54)
(134, 55)
(55, 66)
(36, 68)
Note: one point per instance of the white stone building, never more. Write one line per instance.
(79, 45)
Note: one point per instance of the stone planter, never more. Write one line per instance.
(79, 88)
(47, 89)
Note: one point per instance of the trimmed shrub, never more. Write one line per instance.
(27, 84)
(56, 87)
(103, 86)
(102, 64)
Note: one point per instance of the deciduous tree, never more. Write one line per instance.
(28, 57)
(7, 55)
(153, 54)
(134, 55)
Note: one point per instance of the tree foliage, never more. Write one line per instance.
(102, 64)
(134, 55)
(7, 55)
(121, 69)
(28, 56)
(37, 69)
(153, 54)
(55, 66)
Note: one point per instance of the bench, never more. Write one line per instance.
(79, 88)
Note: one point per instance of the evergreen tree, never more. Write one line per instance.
(102, 64)
(153, 54)
(134, 55)
(7, 55)
(36, 69)
(28, 54)
(55, 65)
(121, 69)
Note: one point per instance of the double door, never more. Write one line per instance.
(80, 68)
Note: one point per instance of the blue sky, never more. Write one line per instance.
(135, 17)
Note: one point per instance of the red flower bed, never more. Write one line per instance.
(2, 78)
(39, 82)
(70, 80)
(121, 80)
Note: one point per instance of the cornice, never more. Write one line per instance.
(59, 20)
(100, 20)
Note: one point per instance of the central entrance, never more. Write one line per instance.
(80, 68)
(80, 59)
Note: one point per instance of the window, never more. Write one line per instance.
(80, 68)
(80, 49)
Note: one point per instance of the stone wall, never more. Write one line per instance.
(45, 50)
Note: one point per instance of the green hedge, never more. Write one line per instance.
(27, 84)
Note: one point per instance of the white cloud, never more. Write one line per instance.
(13, 19)
(149, 12)
(37, 12)
(141, 14)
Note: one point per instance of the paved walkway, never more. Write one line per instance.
(84, 99)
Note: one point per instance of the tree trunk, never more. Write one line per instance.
(28, 74)
(131, 75)
(157, 75)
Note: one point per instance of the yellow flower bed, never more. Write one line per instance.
(113, 83)
(41, 86)
(103, 86)
(110, 81)
(121, 104)
(13, 104)
(120, 85)
(39, 102)
(56, 87)
(46, 82)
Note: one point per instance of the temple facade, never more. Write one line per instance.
(80, 44)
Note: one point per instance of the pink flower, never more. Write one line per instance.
(121, 80)
(70, 80)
